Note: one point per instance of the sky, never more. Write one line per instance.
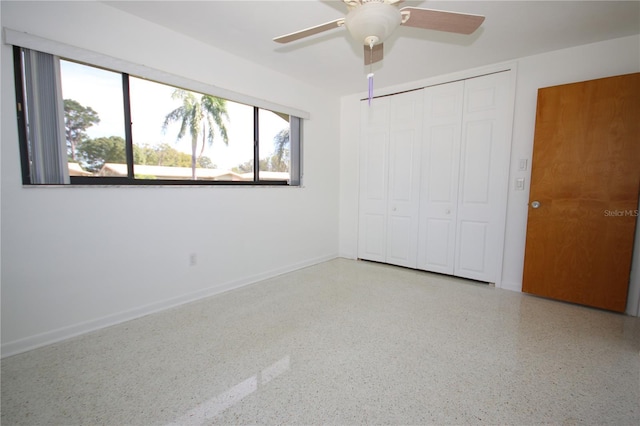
(150, 103)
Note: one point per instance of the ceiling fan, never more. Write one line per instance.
(370, 22)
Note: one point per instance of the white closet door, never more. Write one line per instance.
(405, 130)
(374, 159)
(484, 175)
(391, 132)
(439, 181)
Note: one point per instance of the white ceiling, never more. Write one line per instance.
(333, 61)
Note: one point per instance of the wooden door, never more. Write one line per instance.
(439, 181)
(585, 176)
(485, 150)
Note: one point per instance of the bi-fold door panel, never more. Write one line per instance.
(465, 156)
(393, 154)
(372, 232)
(484, 175)
(405, 130)
(439, 180)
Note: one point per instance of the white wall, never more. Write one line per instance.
(79, 258)
(614, 57)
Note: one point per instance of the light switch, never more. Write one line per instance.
(522, 165)
(519, 184)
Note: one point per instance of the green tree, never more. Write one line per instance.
(201, 116)
(77, 119)
(95, 152)
(279, 161)
(245, 167)
(163, 155)
(205, 162)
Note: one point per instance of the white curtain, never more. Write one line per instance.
(45, 118)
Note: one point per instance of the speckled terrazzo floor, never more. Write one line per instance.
(343, 342)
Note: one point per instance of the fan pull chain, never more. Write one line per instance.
(370, 75)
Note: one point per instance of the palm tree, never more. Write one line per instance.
(281, 151)
(199, 117)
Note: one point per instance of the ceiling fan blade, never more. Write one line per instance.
(440, 20)
(356, 3)
(309, 31)
(371, 57)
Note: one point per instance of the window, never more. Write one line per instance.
(81, 124)
(275, 146)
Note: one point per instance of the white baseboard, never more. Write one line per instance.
(36, 341)
(351, 256)
(513, 286)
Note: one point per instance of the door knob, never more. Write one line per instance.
(535, 204)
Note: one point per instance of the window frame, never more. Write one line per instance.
(295, 167)
(21, 116)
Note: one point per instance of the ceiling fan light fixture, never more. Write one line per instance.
(372, 21)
